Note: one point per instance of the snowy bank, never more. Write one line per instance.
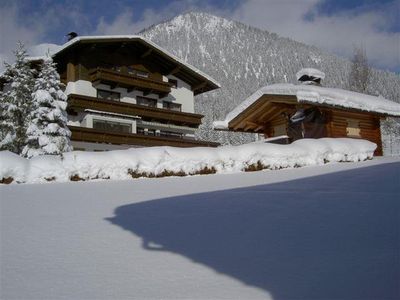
(167, 161)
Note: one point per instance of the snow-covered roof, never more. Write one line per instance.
(318, 95)
(311, 73)
(136, 37)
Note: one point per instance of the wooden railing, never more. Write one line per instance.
(91, 135)
(129, 81)
(79, 102)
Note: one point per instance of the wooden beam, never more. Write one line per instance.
(261, 127)
(147, 53)
(267, 112)
(71, 72)
(247, 127)
(174, 70)
(199, 86)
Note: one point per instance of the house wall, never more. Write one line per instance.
(339, 123)
(181, 95)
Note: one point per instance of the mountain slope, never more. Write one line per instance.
(243, 59)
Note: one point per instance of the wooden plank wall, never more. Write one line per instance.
(368, 124)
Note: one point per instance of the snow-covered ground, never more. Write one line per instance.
(321, 232)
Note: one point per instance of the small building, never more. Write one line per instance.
(308, 110)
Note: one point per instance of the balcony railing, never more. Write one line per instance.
(129, 81)
(79, 102)
(91, 135)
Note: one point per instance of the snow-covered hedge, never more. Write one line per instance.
(166, 161)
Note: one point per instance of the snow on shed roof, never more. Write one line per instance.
(318, 95)
(141, 38)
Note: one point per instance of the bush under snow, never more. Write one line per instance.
(165, 161)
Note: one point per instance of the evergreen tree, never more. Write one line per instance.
(6, 128)
(360, 71)
(48, 132)
(16, 102)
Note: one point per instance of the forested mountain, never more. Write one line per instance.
(243, 58)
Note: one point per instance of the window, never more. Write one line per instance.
(112, 126)
(139, 73)
(142, 74)
(172, 106)
(131, 70)
(107, 95)
(146, 101)
(143, 131)
(353, 128)
(117, 69)
(171, 134)
(173, 82)
(139, 130)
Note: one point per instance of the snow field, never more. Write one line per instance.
(319, 232)
(167, 161)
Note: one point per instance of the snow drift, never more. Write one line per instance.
(167, 161)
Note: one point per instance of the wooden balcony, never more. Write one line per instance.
(128, 81)
(79, 102)
(91, 135)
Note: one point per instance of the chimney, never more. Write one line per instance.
(310, 76)
(71, 35)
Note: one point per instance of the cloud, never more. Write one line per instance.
(126, 23)
(337, 33)
(11, 32)
(301, 20)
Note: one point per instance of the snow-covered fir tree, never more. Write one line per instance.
(48, 132)
(16, 102)
(6, 126)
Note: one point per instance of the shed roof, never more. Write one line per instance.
(333, 97)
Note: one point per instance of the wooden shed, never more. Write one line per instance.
(310, 111)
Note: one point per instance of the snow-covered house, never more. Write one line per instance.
(126, 91)
(308, 110)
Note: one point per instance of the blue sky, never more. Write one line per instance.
(334, 25)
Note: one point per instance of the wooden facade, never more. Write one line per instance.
(80, 59)
(80, 102)
(82, 134)
(130, 82)
(270, 114)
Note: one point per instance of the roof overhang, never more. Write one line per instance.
(270, 101)
(199, 81)
(267, 107)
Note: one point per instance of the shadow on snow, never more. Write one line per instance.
(332, 236)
